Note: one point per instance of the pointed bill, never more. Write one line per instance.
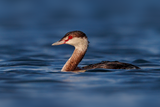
(58, 43)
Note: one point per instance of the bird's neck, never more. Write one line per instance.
(74, 60)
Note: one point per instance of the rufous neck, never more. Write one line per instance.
(74, 60)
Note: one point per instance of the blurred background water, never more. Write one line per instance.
(123, 30)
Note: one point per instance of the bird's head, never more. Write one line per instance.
(77, 39)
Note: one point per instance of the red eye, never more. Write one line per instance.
(70, 37)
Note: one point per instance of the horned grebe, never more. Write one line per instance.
(79, 40)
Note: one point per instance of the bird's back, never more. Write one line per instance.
(111, 65)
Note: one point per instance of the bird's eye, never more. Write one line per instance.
(70, 37)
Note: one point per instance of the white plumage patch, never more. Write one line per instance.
(79, 43)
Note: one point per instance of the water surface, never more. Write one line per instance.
(118, 31)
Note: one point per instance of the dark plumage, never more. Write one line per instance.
(111, 65)
(75, 34)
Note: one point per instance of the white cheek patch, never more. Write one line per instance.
(78, 43)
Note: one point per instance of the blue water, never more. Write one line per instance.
(126, 31)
